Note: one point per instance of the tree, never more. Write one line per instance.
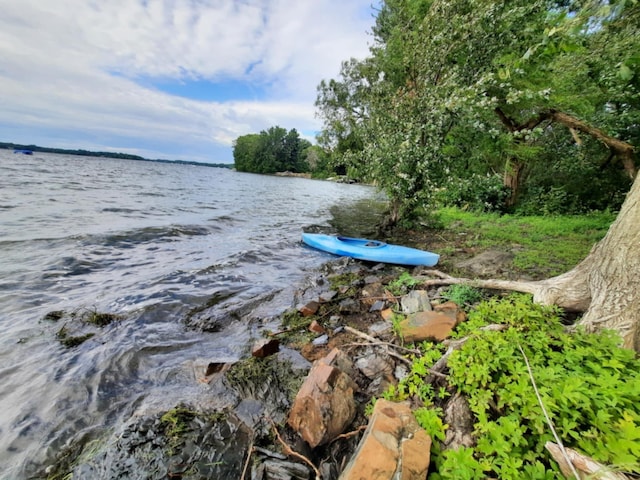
(270, 151)
(467, 87)
(245, 149)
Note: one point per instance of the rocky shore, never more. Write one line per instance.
(307, 401)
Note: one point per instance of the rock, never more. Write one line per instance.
(372, 292)
(425, 326)
(415, 301)
(380, 328)
(325, 404)
(458, 416)
(316, 327)
(452, 310)
(274, 469)
(378, 368)
(265, 347)
(296, 361)
(488, 263)
(321, 340)
(213, 367)
(309, 308)
(377, 306)
(328, 295)
(349, 305)
(337, 358)
(376, 364)
(387, 314)
(393, 446)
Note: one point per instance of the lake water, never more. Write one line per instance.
(150, 242)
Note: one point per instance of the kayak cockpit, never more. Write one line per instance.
(362, 242)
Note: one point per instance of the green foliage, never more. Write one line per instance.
(588, 384)
(459, 95)
(403, 284)
(484, 193)
(274, 150)
(413, 384)
(431, 420)
(463, 295)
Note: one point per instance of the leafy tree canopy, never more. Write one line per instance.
(270, 151)
(541, 95)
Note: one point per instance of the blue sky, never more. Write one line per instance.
(177, 79)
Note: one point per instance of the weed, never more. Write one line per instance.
(463, 295)
(403, 284)
(69, 341)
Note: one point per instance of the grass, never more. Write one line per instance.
(550, 245)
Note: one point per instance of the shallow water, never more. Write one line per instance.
(151, 242)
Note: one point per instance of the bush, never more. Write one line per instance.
(484, 193)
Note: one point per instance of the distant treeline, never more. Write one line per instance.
(87, 153)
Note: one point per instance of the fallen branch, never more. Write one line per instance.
(571, 459)
(289, 451)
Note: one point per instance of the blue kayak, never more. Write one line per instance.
(370, 250)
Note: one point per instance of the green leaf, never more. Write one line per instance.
(625, 73)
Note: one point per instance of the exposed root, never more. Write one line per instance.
(289, 451)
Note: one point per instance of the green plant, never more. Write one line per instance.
(401, 285)
(587, 383)
(463, 295)
(431, 420)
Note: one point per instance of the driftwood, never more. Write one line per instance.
(586, 466)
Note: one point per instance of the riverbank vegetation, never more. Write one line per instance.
(528, 106)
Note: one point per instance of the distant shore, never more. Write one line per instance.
(88, 153)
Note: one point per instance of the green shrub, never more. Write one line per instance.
(484, 193)
(588, 384)
(463, 295)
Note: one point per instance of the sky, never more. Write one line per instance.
(171, 79)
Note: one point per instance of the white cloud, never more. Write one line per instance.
(76, 65)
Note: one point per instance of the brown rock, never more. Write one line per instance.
(425, 326)
(387, 314)
(265, 347)
(324, 405)
(309, 309)
(393, 446)
(452, 310)
(316, 327)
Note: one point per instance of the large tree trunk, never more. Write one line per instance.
(606, 284)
